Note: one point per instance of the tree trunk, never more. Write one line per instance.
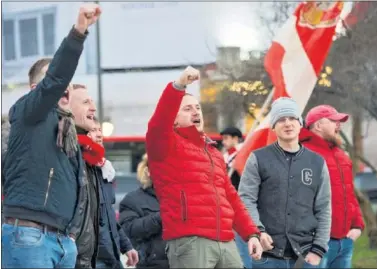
(365, 205)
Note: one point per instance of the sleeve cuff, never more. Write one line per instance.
(320, 251)
(178, 87)
(77, 35)
(357, 227)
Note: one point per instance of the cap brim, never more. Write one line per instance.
(342, 117)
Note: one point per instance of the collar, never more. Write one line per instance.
(281, 150)
(192, 134)
(308, 136)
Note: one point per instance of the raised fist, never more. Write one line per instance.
(188, 76)
(88, 14)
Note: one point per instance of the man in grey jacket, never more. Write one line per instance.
(286, 189)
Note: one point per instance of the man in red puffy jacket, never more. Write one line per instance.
(199, 206)
(322, 136)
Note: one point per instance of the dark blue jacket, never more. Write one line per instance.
(112, 239)
(140, 218)
(40, 183)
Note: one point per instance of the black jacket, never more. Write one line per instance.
(112, 238)
(39, 182)
(140, 219)
(87, 240)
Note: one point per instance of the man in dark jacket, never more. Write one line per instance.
(43, 190)
(141, 220)
(112, 239)
(286, 189)
(83, 109)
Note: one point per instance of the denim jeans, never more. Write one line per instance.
(244, 252)
(339, 254)
(25, 247)
(268, 262)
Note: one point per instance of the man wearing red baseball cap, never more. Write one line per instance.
(322, 135)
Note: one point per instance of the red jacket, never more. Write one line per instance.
(189, 175)
(346, 213)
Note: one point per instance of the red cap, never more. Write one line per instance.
(324, 111)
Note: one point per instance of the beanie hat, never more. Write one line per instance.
(284, 107)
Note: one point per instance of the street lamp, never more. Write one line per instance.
(99, 72)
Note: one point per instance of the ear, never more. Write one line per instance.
(33, 86)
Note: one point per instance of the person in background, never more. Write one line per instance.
(112, 239)
(141, 220)
(232, 142)
(322, 135)
(286, 189)
(199, 205)
(43, 190)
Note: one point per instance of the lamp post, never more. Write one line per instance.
(99, 73)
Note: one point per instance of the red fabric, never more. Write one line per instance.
(273, 65)
(232, 150)
(93, 153)
(317, 40)
(259, 139)
(346, 213)
(324, 111)
(195, 194)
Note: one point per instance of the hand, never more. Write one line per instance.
(188, 76)
(266, 241)
(313, 259)
(354, 234)
(132, 257)
(88, 14)
(255, 248)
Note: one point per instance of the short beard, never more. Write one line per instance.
(335, 140)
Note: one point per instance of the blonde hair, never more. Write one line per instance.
(142, 172)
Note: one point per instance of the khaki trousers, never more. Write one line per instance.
(199, 252)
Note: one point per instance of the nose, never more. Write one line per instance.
(92, 107)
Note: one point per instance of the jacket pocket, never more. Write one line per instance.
(50, 175)
(183, 205)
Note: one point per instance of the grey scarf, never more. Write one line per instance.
(67, 137)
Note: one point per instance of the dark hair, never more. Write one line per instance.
(35, 73)
(232, 131)
(78, 86)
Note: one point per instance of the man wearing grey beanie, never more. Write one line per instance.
(286, 190)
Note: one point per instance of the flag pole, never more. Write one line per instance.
(260, 116)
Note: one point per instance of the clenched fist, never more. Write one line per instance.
(88, 14)
(188, 76)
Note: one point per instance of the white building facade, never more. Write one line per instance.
(132, 35)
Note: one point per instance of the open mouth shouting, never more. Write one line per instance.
(196, 122)
(90, 117)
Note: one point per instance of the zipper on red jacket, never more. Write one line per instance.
(345, 193)
(217, 196)
(184, 206)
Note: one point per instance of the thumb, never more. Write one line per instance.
(348, 234)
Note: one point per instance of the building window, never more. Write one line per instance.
(29, 35)
(9, 40)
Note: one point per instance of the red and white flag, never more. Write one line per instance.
(294, 62)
